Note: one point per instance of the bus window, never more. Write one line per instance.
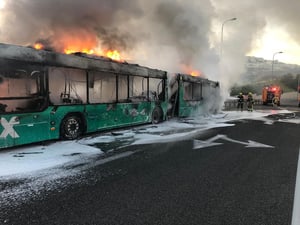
(137, 88)
(156, 89)
(67, 86)
(123, 88)
(22, 87)
(197, 91)
(102, 88)
(192, 91)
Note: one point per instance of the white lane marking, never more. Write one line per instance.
(296, 207)
(210, 142)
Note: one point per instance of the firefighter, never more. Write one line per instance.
(240, 101)
(275, 101)
(250, 102)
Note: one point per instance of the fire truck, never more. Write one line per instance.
(271, 94)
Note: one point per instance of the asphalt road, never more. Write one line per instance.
(176, 183)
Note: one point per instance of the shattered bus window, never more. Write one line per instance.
(156, 88)
(22, 88)
(192, 91)
(102, 87)
(138, 88)
(67, 86)
(123, 88)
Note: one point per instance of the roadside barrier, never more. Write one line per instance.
(232, 104)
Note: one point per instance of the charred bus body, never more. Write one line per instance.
(46, 95)
(190, 95)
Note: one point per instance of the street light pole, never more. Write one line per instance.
(298, 90)
(273, 61)
(221, 46)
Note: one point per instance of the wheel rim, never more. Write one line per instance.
(72, 128)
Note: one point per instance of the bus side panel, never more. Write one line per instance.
(106, 116)
(140, 112)
(99, 116)
(187, 108)
(25, 128)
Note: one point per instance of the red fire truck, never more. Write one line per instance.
(271, 94)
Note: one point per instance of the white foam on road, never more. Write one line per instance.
(24, 161)
(36, 169)
(27, 160)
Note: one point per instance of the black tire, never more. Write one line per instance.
(71, 127)
(157, 115)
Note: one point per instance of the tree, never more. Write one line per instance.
(289, 81)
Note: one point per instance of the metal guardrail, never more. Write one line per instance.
(232, 103)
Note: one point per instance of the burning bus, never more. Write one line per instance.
(46, 95)
(191, 94)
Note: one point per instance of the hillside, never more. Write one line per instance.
(260, 70)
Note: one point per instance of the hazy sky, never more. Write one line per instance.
(175, 35)
(272, 25)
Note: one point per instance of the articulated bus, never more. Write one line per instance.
(46, 95)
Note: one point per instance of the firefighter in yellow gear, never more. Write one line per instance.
(250, 102)
(240, 101)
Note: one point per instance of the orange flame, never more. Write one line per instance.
(195, 73)
(70, 50)
(81, 42)
(188, 69)
(38, 46)
(115, 55)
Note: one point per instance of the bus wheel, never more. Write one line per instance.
(71, 127)
(157, 115)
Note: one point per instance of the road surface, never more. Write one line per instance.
(238, 175)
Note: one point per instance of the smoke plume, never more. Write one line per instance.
(174, 35)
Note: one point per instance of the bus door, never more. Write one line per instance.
(139, 108)
(102, 95)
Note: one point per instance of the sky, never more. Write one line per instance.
(172, 35)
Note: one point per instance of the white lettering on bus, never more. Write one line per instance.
(8, 128)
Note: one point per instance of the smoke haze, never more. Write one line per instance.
(174, 35)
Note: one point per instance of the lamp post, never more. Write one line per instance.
(298, 90)
(273, 61)
(232, 19)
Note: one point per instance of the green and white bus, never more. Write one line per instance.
(46, 95)
(193, 95)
